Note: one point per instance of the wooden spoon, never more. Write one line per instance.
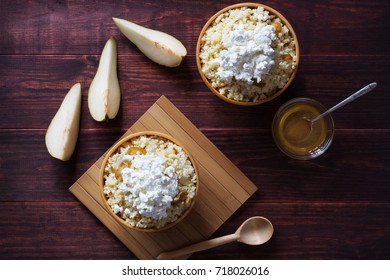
(254, 231)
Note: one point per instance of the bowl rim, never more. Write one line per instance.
(249, 5)
(115, 147)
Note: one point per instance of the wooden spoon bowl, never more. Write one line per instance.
(254, 231)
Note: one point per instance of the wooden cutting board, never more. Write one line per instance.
(223, 188)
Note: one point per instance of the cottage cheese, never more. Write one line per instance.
(149, 182)
(247, 71)
(149, 186)
(248, 55)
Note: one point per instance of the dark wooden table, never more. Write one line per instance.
(333, 207)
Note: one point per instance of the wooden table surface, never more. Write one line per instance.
(333, 207)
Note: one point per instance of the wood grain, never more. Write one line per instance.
(355, 168)
(220, 182)
(313, 231)
(36, 85)
(302, 231)
(333, 207)
(323, 27)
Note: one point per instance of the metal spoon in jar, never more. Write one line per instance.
(301, 128)
(254, 231)
(354, 96)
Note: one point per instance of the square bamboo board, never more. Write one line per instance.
(223, 188)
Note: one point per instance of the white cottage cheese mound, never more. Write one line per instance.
(256, 74)
(248, 55)
(149, 182)
(150, 185)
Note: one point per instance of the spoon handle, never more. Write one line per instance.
(347, 100)
(204, 245)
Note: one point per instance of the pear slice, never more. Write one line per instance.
(104, 95)
(160, 47)
(62, 133)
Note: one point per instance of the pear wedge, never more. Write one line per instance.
(62, 133)
(104, 95)
(160, 47)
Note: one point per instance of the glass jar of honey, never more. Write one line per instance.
(296, 135)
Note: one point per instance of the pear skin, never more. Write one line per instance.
(62, 133)
(104, 94)
(160, 47)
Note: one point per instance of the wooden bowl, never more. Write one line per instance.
(114, 148)
(254, 6)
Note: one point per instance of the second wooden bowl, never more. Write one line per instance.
(114, 149)
(199, 46)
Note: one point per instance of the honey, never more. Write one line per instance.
(296, 135)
